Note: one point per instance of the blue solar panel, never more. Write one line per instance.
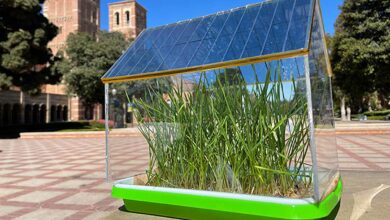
(255, 30)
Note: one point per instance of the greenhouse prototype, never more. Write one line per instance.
(233, 117)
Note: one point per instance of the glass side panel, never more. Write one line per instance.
(242, 129)
(260, 29)
(324, 133)
(128, 150)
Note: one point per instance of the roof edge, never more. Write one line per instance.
(227, 64)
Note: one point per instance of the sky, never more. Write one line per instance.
(162, 12)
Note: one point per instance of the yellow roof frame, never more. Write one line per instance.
(227, 64)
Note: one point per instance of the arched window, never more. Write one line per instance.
(42, 114)
(27, 114)
(127, 17)
(7, 113)
(117, 18)
(59, 113)
(65, 113)
(35, 114)
(16, 114)
(53, 113)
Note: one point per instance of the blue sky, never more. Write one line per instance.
(162, 12)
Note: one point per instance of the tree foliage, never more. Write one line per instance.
(25, 60)
(361, 49)
(229, 76)
(87, 60)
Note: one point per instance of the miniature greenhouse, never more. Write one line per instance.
(234, 115)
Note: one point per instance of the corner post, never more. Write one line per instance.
(107, 128)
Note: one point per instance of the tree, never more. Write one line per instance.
(229, 76)
(339, 98)
(361, 49)
(25, 60)
(87, 60)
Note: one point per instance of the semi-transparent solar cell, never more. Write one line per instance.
(255, 30)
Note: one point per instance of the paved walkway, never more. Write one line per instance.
(56, 179)
(64, 178)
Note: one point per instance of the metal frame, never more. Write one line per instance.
(322, 29)
(152, 75)
(310, 21)
(313, 147)
(107, 128)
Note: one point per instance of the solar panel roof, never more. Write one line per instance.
(254, 31)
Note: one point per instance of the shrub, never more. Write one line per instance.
(378, 113)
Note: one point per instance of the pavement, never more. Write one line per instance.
(64, 178)
(342, 127)
(356, 184)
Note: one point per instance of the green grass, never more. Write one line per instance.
(84, 126)
(225, 137)
(81, 129)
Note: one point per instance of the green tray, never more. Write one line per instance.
(195, 204)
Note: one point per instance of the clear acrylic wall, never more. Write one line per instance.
(243, 129)
(324, 135)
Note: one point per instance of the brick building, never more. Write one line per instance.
(53, 104)
(127, 17)
(69, 16)
(72, 16)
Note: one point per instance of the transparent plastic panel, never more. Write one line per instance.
(127, 150)
(324, 127)
(242, 130)
(260, 29)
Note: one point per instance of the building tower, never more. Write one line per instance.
(127, 17)
(71, 16)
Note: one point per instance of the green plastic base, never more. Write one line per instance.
(203, 206)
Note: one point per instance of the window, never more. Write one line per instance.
(127, 17)
(93, 17)
(117, 18)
